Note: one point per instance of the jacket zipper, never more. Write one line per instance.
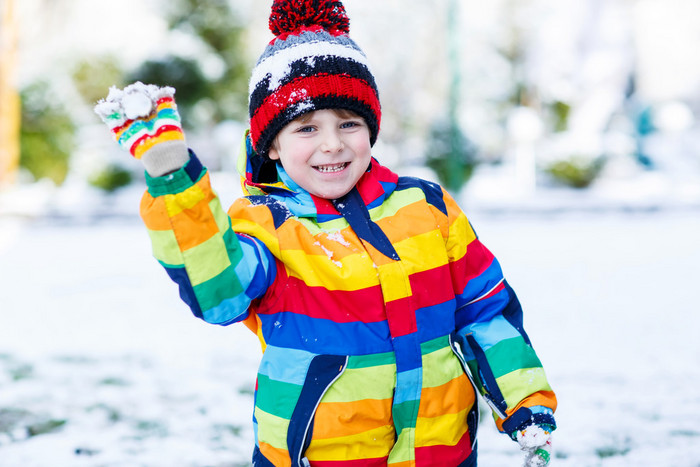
(460, 357)
(487, 396)
(487, 378)
(489, 400)
(304, 462)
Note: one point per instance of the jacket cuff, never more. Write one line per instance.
(165, 157)
(177, 181)
(526, 416)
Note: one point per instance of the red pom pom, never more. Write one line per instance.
(292, 15)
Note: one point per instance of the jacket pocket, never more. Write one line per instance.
(323, 371)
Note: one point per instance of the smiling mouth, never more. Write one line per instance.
(331, 168)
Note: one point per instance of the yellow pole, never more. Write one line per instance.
(10, 115)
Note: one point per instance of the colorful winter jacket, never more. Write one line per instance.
(377, 313)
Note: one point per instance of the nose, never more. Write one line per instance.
(332, 142)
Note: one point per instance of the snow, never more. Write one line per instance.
(101, 364)
(610, 308)
(91, 334)
(277, 66)
(101, 359)
(329, 254)
(134, 101)
(338, 237)
(537, 444)
(137, 105)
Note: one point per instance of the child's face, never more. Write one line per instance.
(326, 154)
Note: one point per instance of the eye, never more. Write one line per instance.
(305, 129)
(350, 124)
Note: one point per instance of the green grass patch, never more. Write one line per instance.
(45, 426)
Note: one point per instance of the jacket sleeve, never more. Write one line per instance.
(218, 271)
(489, 330)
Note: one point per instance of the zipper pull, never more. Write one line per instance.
(489, 400)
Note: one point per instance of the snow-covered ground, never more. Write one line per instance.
(102, 365)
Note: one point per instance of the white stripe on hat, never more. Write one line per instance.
(278, 66)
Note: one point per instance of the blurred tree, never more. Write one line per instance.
(94, 75)
(641, 115)
(9, 99)
(576, 171)
(218, 29)
(47, 135)
(559, 112)
(215, 23)
(451, 155)
(184, 75)
(454, 160)
(514, 50)
(111, 178)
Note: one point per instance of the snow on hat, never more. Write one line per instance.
(311, 64)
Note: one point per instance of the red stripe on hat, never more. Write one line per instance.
(310, 87)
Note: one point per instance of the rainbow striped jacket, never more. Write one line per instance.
(378, 314)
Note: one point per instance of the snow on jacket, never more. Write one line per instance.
(374, 312)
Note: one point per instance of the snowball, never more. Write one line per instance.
(137, 104)
(137, 100)
(537, 442)
(533, 437)
(105, 108)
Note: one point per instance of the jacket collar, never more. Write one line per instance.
(261, 176)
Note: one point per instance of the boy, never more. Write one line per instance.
(378, 309)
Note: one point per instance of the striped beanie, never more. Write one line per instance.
(311, 64)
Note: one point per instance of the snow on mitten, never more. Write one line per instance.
(536, 441)
(145, 122)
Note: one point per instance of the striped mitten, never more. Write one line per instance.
(536, 441)
(145, 122)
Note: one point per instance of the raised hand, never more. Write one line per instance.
(145, 122)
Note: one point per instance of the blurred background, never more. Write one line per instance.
(567, 130)
(512, 98)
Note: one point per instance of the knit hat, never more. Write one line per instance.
(311, 64)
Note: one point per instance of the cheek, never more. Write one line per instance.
(293, 154)
(366, 151)
(361, 145)
(364, 141)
